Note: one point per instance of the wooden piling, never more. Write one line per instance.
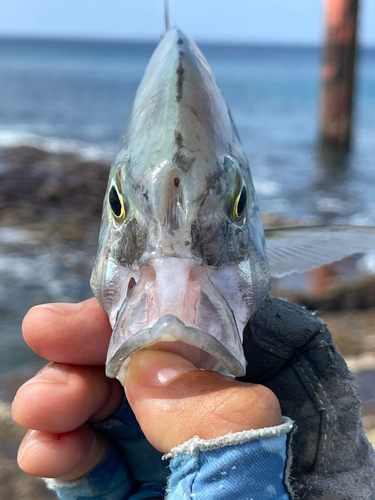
(338, 77)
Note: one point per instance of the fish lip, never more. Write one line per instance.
(170, 328)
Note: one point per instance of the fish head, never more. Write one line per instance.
(181, 254)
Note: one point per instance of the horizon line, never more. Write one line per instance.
(155, 40)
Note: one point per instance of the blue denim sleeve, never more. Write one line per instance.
(232, 466)
(248, 465)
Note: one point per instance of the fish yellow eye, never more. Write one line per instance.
(240, 203)
(116, 202)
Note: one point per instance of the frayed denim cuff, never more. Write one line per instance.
(245, 465)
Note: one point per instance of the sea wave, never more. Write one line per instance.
(10, 138)
(57, 273)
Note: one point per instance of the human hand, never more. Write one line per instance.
(172, 400)
(291, 351)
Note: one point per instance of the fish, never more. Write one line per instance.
(183, 258)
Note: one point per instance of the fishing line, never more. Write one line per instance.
(166, 15)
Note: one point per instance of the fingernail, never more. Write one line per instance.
(156, 368)
(34, 438)
(53, 372)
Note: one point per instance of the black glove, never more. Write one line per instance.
(290, 351)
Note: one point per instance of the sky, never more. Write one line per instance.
(254, 21)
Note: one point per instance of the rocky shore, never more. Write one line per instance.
(50, 205)
(57, 195)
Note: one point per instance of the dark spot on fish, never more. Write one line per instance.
(180, 41)
(214, 240)
(176, 181)
(194, 111)
(213, 181)
(180, 79)
(132, 245)
(118, 314)
(194, 232)
(178, 139)
(172, 223)
(186, 243)
(182, 161)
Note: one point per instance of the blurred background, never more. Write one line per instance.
(68, 74)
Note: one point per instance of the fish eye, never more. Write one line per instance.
(240, 203)
(116, 202)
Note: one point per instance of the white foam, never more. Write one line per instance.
(362, 219)
(326, 204)
(52, 270)
(265, 187)
(366, 264)
(29, 271)
(17, 138)
(15, 236)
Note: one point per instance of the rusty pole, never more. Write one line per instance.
(338, 73)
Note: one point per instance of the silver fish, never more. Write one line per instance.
(182, 255)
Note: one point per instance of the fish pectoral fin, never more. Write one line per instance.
(302, 248)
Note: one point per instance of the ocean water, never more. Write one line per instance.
(78, 95)
(75, 96)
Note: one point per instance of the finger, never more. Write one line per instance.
(173, 401)
(63, 456)
(61, 398)
(68, 333)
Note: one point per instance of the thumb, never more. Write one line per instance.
(173, 401)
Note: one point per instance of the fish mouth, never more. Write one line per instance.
(175, 300)
(193, 344)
